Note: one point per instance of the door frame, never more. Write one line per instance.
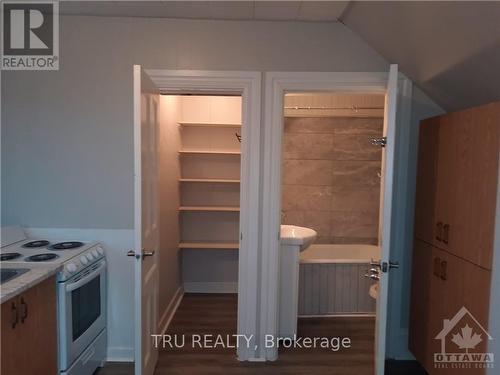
(248, 85)
(276, 85)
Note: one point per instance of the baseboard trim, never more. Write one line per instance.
(117, 354)
(169, 313)
(210, 287)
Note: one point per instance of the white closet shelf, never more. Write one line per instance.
(209, 124)
(210, 245)
(209, 152)
(210, 180)
(210, 208)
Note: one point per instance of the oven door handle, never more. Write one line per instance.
(84, 280)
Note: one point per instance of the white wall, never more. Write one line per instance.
(75, 141)
(67, 145)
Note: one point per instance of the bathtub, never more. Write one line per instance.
(332, 282)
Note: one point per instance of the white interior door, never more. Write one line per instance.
(146, 122)
(384, 263)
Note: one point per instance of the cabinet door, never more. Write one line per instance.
(10, 339)
(425, 199)
(29, 347)
(467, 182)
(466, 285)
(420, 308)
(39, 329)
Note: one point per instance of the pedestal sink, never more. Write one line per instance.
(373, 292)
(292, 235)
(294, 239)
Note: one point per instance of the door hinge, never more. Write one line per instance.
(380, 141)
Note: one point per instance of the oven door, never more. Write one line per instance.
(82, 312)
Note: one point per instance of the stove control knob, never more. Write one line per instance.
(95, 253)
(100, 250)
(83, 260)
(90, 256)
(71, 268)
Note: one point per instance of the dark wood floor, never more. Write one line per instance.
(216, 314)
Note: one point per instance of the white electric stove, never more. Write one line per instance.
(81, 294)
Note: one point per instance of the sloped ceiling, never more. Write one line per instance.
(451, 50)
(312, 11)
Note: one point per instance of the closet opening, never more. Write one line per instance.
(199, 165)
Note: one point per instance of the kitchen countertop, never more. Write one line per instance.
(35, 275)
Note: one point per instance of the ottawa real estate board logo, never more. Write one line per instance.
(463, 343)
(30, 35)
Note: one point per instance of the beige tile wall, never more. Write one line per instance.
(330, 180)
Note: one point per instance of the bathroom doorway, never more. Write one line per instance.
(331, 183)
(396, 90)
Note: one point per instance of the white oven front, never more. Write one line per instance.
(82, 311)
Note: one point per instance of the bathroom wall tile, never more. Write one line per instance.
(354, 147)
(336, 125)
(310, 124)
(303, 197)
(310, 172)
(356, 174)
(354, 240)
(372, 126)
(308, 146)
(356, 199)
(354, 224)
(330, 180)
(317, 220)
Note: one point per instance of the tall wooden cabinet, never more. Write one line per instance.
(458, 164)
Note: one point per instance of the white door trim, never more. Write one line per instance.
(248, 84)
(276, 85)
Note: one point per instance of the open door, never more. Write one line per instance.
(146, 122)
(384, 264)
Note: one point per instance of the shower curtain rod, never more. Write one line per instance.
(353, 108)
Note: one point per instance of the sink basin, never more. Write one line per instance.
(294, 235)
(7, 274)
(373, 292)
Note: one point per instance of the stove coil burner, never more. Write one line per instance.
(66, 245)
(9, 256)
(41, 257)
(34, 244)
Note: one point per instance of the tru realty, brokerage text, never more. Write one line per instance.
(209, 341)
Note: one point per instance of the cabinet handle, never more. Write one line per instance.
(446, 233)
(439, 231)
(444, 267)
(24, 307)
(437, 267)
(15, 315)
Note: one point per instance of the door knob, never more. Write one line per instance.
(131, 253)
(147, 253)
